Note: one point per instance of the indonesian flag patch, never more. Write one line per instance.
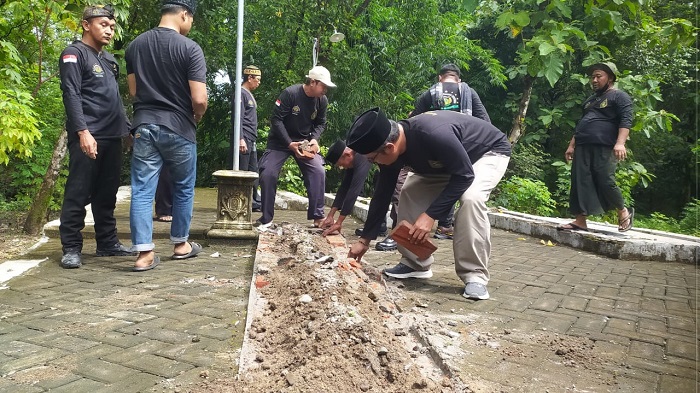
(278, 102)
(70, 58)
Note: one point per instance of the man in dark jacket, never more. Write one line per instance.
(599, 143)
(298, 119)
(96, 124)
(247, 153)
(453, 157)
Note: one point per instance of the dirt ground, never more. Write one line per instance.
(13, 242)
(322, 323)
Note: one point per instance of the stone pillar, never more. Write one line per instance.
(234, 206)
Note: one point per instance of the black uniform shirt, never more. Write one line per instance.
(438, 143)
(603, 116)
(91, 92)
(352, 184)
(296, 117)
(163, 62)
(249, 116)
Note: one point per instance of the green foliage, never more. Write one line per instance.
(563, 186)
(528, 161)
(690, 218)
(19, 124)
(525, 195)
(689, 223)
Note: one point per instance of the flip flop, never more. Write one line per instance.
(156, 262)
(164, 218)
(571, 227)
(629, 219)
(196, 249)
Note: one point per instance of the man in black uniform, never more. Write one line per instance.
(166, 72)
(599, 143)
(247, 154)
(453, 157)
(298, 120)
(450, 94)
(356, 170)
(96, 124)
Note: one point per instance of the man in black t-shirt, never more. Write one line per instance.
(452, 157)
(247, 153)
(599, 143)
(96, 123)
(166, 73)
(298, 119)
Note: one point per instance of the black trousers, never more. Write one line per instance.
(91, 182)
(594, 190)
(164, 193)
(247, 162)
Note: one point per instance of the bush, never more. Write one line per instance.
(525, 195)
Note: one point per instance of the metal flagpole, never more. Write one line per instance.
(237, 82)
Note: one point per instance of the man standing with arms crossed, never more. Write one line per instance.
(166, 73)
(96, 123)
(247, 153)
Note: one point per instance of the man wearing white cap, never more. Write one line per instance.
(298, 119)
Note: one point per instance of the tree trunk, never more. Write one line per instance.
(518, 128)
(40, 206)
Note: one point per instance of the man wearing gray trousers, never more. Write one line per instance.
(454, 157)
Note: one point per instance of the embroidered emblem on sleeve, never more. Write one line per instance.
(70, 58)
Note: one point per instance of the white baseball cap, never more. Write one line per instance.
(321, 73)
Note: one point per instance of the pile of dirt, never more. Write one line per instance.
(323, 323)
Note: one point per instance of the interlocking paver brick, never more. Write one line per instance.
(645, 350)
(103, 371)
(547, 302)
(574, 303)
(674, 384)
(681, 348)
(34, 359)
(126, 355)
(159, 365)
(82, 385)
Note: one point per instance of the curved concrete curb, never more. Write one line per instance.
(603, 239)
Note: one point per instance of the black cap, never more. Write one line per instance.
(335, 151)
(190, 5)
(97, 11)
(369, 132)
(450, 68)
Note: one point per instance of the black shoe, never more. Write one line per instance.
(117, 250)
(257, 209)
(382, 230)
(71, 260)
(388, 244)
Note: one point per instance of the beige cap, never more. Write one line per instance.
(321, 73)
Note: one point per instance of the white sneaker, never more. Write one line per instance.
(260, 227)
(476, 291)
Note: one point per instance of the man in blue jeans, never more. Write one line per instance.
(167, 107)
